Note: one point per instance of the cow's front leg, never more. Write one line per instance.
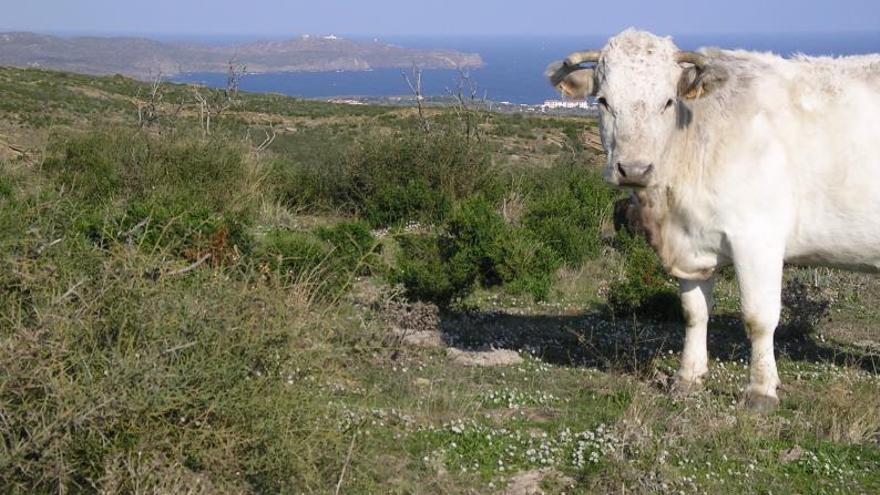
(759, 274)
(696, 303)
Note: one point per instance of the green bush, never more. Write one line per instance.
(185, 197)
(392, 179)
(421, 267)
(526, 265)
(353, 245)
(328, 258)
(478, 247)
(176, 227)
(645, 290)
(568, 209)
(90, 165)
(474, 241)
(7, 190)
(299, 254)
(415, 199)
(162, 384)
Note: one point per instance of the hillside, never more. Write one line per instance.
(139, 57)
(308, 297)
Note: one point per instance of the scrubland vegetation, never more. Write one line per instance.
(184, 311)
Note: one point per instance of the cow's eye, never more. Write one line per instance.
(669, 103)
(602, 101)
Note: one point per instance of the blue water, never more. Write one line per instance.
(514, 66)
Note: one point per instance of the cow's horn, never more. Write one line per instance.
(698, 59)
(578, 58)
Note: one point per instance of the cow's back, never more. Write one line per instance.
(830, 132)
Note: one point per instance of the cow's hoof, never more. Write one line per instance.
(682, 388)
(760, 403)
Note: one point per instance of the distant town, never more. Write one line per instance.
(549, 107)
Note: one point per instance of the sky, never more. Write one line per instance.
(435, 17)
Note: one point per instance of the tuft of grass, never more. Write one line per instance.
(118, 374)
(328, 258)
(100, 166)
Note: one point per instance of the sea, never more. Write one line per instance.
(514, 66)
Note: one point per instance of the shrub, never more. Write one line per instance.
(474, 241)
(353, 245)
(7, 190)
(89, 165)
(175, 227)
(391, 179)
(478, 247)
(120, 164)
(568, 210)
(415, 199)
(645, 290)
(423, 270)
(526, 265)
(293, 251)
(326, 259)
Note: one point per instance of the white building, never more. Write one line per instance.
(583, 104)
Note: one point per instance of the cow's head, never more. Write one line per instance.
(642, 84)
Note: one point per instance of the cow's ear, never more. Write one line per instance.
(571, 80)
(696, 82)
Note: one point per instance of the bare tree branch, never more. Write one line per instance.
(148, 108)
(467, 104)
(189, 268)
(345, 465)
(415, 86)
(218, 102)
(268, 141)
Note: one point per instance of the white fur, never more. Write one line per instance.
(780, 163)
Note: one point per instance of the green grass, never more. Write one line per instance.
(181, 312)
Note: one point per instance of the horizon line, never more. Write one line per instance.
(288, 35)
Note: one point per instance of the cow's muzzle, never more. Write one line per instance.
(634, 174)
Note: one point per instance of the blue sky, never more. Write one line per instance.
(434, 17)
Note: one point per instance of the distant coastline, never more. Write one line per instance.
(513, 67)
(508, 68)
(143, 57)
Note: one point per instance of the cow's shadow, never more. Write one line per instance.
(592, 339)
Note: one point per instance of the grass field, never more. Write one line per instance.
(364, 307)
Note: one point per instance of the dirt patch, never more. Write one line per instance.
(414, 317)
(8, 150)
(538, 482)
(419, 338)
(493, 357)
(791, 455)
(413, 323)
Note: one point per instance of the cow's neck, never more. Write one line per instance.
(670, 217)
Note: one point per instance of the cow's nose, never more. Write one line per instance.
(634, 174)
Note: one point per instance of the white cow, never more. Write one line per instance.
(744, 158)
